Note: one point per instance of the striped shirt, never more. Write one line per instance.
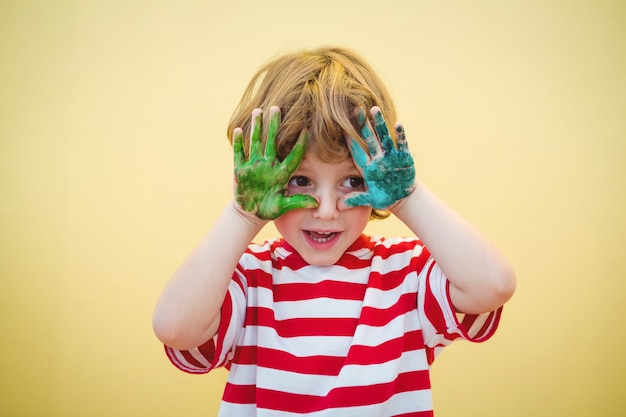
(353, 339)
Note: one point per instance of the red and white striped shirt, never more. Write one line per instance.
(353, 339)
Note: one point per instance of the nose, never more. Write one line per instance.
(328, 205)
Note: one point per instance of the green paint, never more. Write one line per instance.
(389, 171)
(262, 178)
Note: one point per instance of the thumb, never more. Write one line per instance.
(296, 201)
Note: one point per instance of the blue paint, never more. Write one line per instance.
(389, 171)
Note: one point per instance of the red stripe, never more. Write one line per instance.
(432, 309)
(329, 365)
(192, 361)
(408, 246)
(305, 290)
(207, 350)
(428, 413)
(284, 361)
(487, 329)
(385, 252)
(293, 261)
(389, 280)
(308, 291)
(260, 316)
(385, 352)
(264, 255)
(259, 279)
(430, 355)
(337, 397)
(379, 317)
(351, 262)
(469, 320)
(239, 394)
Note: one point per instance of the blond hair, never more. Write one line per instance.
(319, 91)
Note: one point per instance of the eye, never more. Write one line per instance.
(354, 182)
(299, 181)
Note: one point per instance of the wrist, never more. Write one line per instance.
(251, 219)
(403, 206)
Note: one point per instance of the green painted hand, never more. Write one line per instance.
(261, 178)
(388, 170)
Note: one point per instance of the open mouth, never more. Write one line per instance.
(321, 237)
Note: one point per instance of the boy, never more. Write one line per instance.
(325, 320)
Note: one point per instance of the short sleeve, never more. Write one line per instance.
(219, 350)
(441, 325)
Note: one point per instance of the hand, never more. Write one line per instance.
(388, 170)
(261, 180)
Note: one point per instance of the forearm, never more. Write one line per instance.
(188, 311)
(481, 278)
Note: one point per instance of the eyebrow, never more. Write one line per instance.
(346, 169)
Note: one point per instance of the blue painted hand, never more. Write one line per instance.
(387, 168)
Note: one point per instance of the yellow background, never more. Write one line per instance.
(114, 163)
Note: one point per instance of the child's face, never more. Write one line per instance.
(321, 235)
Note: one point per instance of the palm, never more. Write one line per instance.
(262, 178)
(388, 170)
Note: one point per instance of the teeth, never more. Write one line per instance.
(321, 237)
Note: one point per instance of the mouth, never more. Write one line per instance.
(321, 237)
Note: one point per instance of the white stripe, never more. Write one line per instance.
(388, 242)
(383, 299)
(376, 335)
(300, 346)
(314, 307)
(406, 402)
(314, 274)
(241, 410)
(243, 374)
(317, 308)
(393, 263)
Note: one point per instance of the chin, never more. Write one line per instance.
(322, 259)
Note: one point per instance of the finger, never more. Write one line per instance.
(342, 205)
(403, 145)
(358, 199)
(358, 153)
(238, 153)
(381, 129)
(373, 145)
(272, 131)
(256, 130)
(296, 201)
(292, 161)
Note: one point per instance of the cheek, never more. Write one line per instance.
(287, 223)
(360, 216)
